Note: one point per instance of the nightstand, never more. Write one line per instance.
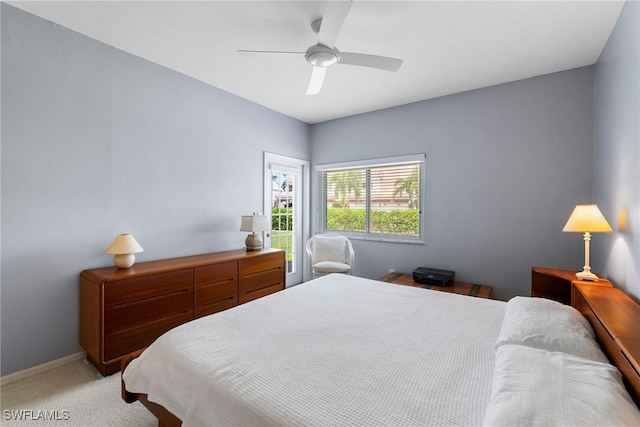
(460, 288)
(557, 284)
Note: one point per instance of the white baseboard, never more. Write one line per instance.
(40, 369)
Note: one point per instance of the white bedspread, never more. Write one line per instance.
(339, 350)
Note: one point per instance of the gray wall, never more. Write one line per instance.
(97, 142)
(505, 166)
(617, 151)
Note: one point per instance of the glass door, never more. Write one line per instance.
(286, 201)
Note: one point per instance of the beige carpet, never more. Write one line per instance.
(72, 395)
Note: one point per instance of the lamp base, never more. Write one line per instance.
(253, 242)
(587, 275)
(124, 260)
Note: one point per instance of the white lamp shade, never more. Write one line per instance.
(254, 223)
(124, 244)
(587, 218)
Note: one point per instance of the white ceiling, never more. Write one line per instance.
(447, 46)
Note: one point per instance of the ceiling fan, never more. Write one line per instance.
(324, 53)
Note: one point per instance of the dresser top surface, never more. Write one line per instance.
(164, 265)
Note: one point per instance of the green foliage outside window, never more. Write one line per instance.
(282, 219)
(281, 230)
(342, 219)
(401, 222)
(404, 222)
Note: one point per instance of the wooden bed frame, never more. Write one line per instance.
(614, 316)
(615, 319)
(165, 418)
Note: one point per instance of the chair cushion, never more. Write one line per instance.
(329, 248)
(331, 267)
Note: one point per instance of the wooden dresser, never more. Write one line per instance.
(123, 310)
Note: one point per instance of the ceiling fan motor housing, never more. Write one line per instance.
(321, 56)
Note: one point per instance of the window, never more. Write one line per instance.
(373, 199)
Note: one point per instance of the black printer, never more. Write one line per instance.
(433, 276)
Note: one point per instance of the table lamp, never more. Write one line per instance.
(587, 219)
(253, 223)
(123, 247)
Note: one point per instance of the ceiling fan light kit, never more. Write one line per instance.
(324, 53)
(321, 56)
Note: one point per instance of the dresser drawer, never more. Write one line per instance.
(144, 287)
(126, 340)
(216, 288)
(259, 292)
(140, 309)
(261, 276)
(261, 280)
(150, 309)
(216, 273)
(258, 264)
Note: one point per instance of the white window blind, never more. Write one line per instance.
(379, 199)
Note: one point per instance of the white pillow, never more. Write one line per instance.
(329, 248)
(533, 387)
(548, 325)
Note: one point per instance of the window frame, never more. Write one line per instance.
(321, 201)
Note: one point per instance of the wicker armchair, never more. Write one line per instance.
(330, 253)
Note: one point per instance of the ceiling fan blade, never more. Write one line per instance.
(317, 77)
(334, 16)
(371, 61)
(244, 52)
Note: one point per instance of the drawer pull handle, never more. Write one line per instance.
(267, 285)
(230, 298)
(151, 298)
(257, 273)
(217, 283)
(155, 321)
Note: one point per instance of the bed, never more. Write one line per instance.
(343, 350)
